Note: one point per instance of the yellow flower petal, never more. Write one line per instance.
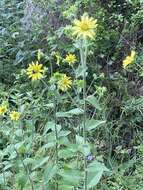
(129, 59)
(35, 71)
(84, 27)
(64, 83)
(14, 115)
(70, 58)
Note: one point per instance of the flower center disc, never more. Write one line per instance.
(35, 71)
(84, 26)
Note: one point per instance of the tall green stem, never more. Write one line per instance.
(56, 130)
(56, 136)
(83, 54)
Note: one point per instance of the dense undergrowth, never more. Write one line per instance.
(78, 123)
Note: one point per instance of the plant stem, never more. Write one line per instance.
(56, 136)
(83, 54)
(4, 178)
(56, 131)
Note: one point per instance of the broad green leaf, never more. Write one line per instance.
(82, 147)
(94, 124)
(76, 111)
(62, 114)
(70, 176)
(70, 113)
(65, 153)
(93, 178)
(80, 71)
(66, 187)
(19, 132)
(20, 147)
(28, 161)
(86, 149)
(92, 100)
(49, 173)
(79, 140)
(51, 125)
(95, 171)
(39, 163)
(64, 133)
(48, 145)
(96, 166)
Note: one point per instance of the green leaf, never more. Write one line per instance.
(76, 111)
(94, 124)
(48, 145)
(95, 171)
(21, 181)
(65, 153)
(66, 187)
(82, 147)
(50, 105)
(94, 178)
(39, 163)
(49, 173)
(64, 133)
(97, 166)
(80, 71)
(63, 114)
(92, 100)
(51, 125)
(79, 140)
(86, 149)
(67, 179)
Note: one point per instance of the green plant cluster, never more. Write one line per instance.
(47, 149)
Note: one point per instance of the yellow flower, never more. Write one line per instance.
(64, 83)
(85, 27)
(35, 71)
(14, 115)
(129, 59)
(3, 109)
(70, 58)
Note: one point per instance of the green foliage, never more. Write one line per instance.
(46, 148)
